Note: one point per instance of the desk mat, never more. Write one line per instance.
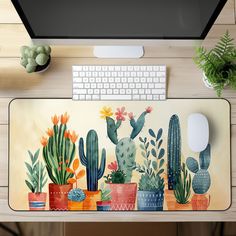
(117, 155)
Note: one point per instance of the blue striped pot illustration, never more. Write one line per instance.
(37, 201)
(150, 200)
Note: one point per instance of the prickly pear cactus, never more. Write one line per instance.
(201, 180)
(125, 154)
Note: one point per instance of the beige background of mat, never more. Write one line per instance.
(30, 118)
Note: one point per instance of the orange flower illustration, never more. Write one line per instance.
(49, 132)
(55, 119)
(64, 118)
(73, 137)
(44, 141)
(67, 134)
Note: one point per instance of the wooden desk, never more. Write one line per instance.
(184, 80)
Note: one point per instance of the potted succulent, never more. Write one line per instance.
(125, 152)
(105, 203)
(183, 190)
(201, 180)
(75, 196)
(173, 160)
(36, 58)
(219, 64)
(123, 195)
(151, 183)
(58, 154)
(36, 181)
(94, 171)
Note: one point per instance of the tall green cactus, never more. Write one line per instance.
(91, 159)
(125, 147)
(201, 180)
(173, 152)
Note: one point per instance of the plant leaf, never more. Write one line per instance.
(69, 170)
(154, 165)
(159, 134)
(161, 163)
(71, 181)
(29, 186)
(29, 168)
(160, 143)
(141, 140)
(160, 171)
(151, 132)
(161, 153)
(153, 143)
(76, 164)
(153, 151)
(80, 174)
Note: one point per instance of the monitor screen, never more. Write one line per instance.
(128, 19)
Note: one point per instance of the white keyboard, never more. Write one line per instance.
(118, 82)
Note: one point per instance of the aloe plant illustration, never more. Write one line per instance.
(125, 148)
(59, 149)
(182, 189)
(36, 173)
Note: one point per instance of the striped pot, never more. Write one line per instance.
(37, 201)
(150, 200)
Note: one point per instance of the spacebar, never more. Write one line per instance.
(115, 97)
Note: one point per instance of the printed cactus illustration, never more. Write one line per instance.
(173, 152)
(59, 149)
(91, 159)
(201, 180)
(125, 148)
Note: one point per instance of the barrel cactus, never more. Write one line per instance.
(173, 152)
(91, 159)
(35, 58)
(201, 180)
(125, 147)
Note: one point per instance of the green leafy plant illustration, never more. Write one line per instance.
(183, 186)
(219, 64)
(105, 193)
(116, 176)
(152, 168)
(36, 173)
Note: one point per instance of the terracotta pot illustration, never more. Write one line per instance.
(37, 201)
(75, 206)
(183, 207)
(123, 196)
(90, 202)
(104, 205)
(58, 194)
(76, 199)
(200, 202)
(150, 200)
(170, 199)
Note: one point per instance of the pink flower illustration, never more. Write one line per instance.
(149, 109)
(131, 115)
(113, 166)
(120, 114)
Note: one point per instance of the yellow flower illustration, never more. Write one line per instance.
(106, 112)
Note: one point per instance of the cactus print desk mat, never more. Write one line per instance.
(117, 156)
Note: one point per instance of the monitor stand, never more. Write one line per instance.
(118, 51)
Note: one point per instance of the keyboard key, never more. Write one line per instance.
(136, 97)
(116, 97)
(79, 91)
(95, 97)
(82, 97)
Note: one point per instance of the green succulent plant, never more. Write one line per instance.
(37, 55)
(116, 177)
(105, 193)
(219, 64)
(36, 173)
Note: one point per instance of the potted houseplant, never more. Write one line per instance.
(105, 203)
(58, 154)
(36, 181)
(36, 58)
(183, 190)
(123, 195)
(201, 180)
(218, 64)
(75, 196)
(125, 150)
(151, 183)
(93, 171)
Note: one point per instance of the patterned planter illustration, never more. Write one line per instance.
(183, 207)
(150, 200)
(103, 205)
(58, 196)
(90, 202)
(170, 199)
(200, 202)
(75, 199)
(37, 201)
(123, 196)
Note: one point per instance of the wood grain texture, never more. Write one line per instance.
(8, 215)
(227, 15)
(8, 13)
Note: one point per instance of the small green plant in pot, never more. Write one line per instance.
(105, 203)
(183, 190)
(151, 183)
(218, 64)
(36, 58)
(36, 181)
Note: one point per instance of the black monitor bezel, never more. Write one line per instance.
(208, 26)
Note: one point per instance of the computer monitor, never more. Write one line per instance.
(132, 23)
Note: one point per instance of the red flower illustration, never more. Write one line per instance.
(113, 166)
(149, 109)
(120, 114)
